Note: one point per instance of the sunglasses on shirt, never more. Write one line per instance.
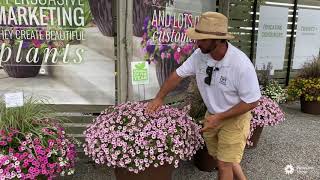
(209, 72)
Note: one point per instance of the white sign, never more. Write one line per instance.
(308, 37)
(272, 34)
(14, 99)
(140, 72)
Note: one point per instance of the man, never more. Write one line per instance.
(229, 87)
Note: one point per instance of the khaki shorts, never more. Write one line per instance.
(227, 142)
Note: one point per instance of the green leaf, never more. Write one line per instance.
(140, 66)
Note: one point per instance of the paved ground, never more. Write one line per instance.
(295, 142)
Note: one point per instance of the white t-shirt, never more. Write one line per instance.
(234, 80)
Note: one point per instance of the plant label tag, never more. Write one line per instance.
(14, 99)
(140, 72)
(272, 72)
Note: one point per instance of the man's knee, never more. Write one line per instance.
(236, 164)
(224, 165)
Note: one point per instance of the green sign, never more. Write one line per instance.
(140, 72)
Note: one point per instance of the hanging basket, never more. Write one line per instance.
(21, 69)
(101, 11)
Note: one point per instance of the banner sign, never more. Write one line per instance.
(272, 36)
(307, 40)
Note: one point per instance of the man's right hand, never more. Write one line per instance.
(154, 105)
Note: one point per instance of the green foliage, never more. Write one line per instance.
(274, 91)
(26, 118)
(198, 109)
(264, 75)
(311, 69)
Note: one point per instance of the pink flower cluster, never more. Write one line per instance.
(126, 137)
(32, 156)
(267, 113)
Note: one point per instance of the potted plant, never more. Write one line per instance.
(167, 55)
(274, 91)
(267, 113)
(306, 87)
(139, 145)
(33, 143)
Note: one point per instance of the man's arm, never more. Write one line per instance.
(169, 85)
(213, 121)
(236, 110)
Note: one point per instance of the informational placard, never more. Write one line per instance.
(272, 36)
(308, 37)
(14, 99)
(140, 72)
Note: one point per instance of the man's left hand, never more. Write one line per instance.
(211, 122)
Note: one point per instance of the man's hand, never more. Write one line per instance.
(154, 105)
(211, 122)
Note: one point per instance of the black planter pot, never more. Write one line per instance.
(203, 161)
(255, 137)
(21, 69)
(310, 107)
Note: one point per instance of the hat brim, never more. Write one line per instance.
(192, 34)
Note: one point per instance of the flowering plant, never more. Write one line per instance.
(126, 137)
(267, 113)
(275, 92)
(32, 146)
(160, 43)
(307, 84)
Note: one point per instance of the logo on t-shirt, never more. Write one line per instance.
(223, 80)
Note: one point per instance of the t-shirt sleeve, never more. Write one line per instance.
(248, 87)
(188, 67)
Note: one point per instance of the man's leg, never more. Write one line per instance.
(231, 143)
(225, 170)
(237, 172)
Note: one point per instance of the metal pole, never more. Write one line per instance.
(114, 11)
(124, 22)
(291, 41)
(253, 31)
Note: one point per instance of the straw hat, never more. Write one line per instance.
(212, 25)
